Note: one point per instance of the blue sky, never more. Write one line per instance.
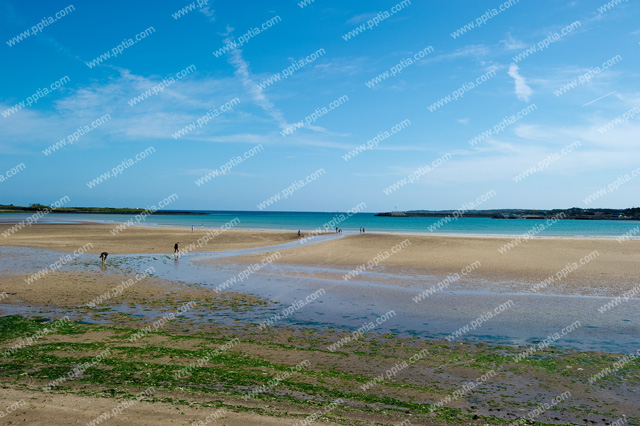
(88, 30)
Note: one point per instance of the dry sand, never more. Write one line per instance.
(613, 264)
(68, 238)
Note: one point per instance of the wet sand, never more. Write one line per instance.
(73, 289)
(137, 239)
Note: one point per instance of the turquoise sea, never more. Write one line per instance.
(308, 221)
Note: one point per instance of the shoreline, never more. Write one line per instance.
(347, 231)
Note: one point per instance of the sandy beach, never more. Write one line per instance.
(138, 239)
(531, 260)
(420, 377)
(612, 265)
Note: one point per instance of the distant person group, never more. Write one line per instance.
(362, 230)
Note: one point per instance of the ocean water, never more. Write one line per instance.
(309, 221)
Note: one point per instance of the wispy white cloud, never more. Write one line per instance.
(228, 31)
(209, 13)
(477, 51)
(363, 17)
(156, 117)
(243, 74)
(500, 159)
(340, 66)
(597, 83)
(275, 138)
(522, 90)
(598, 98)
(619, 138)
(504, 160)
(511, 43)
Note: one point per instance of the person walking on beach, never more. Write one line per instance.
(363, 229)
(298, 233)
(176, 248)
(103, 257)
(191, 228)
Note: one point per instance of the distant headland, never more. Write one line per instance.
(573, 213)
(10, 208)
